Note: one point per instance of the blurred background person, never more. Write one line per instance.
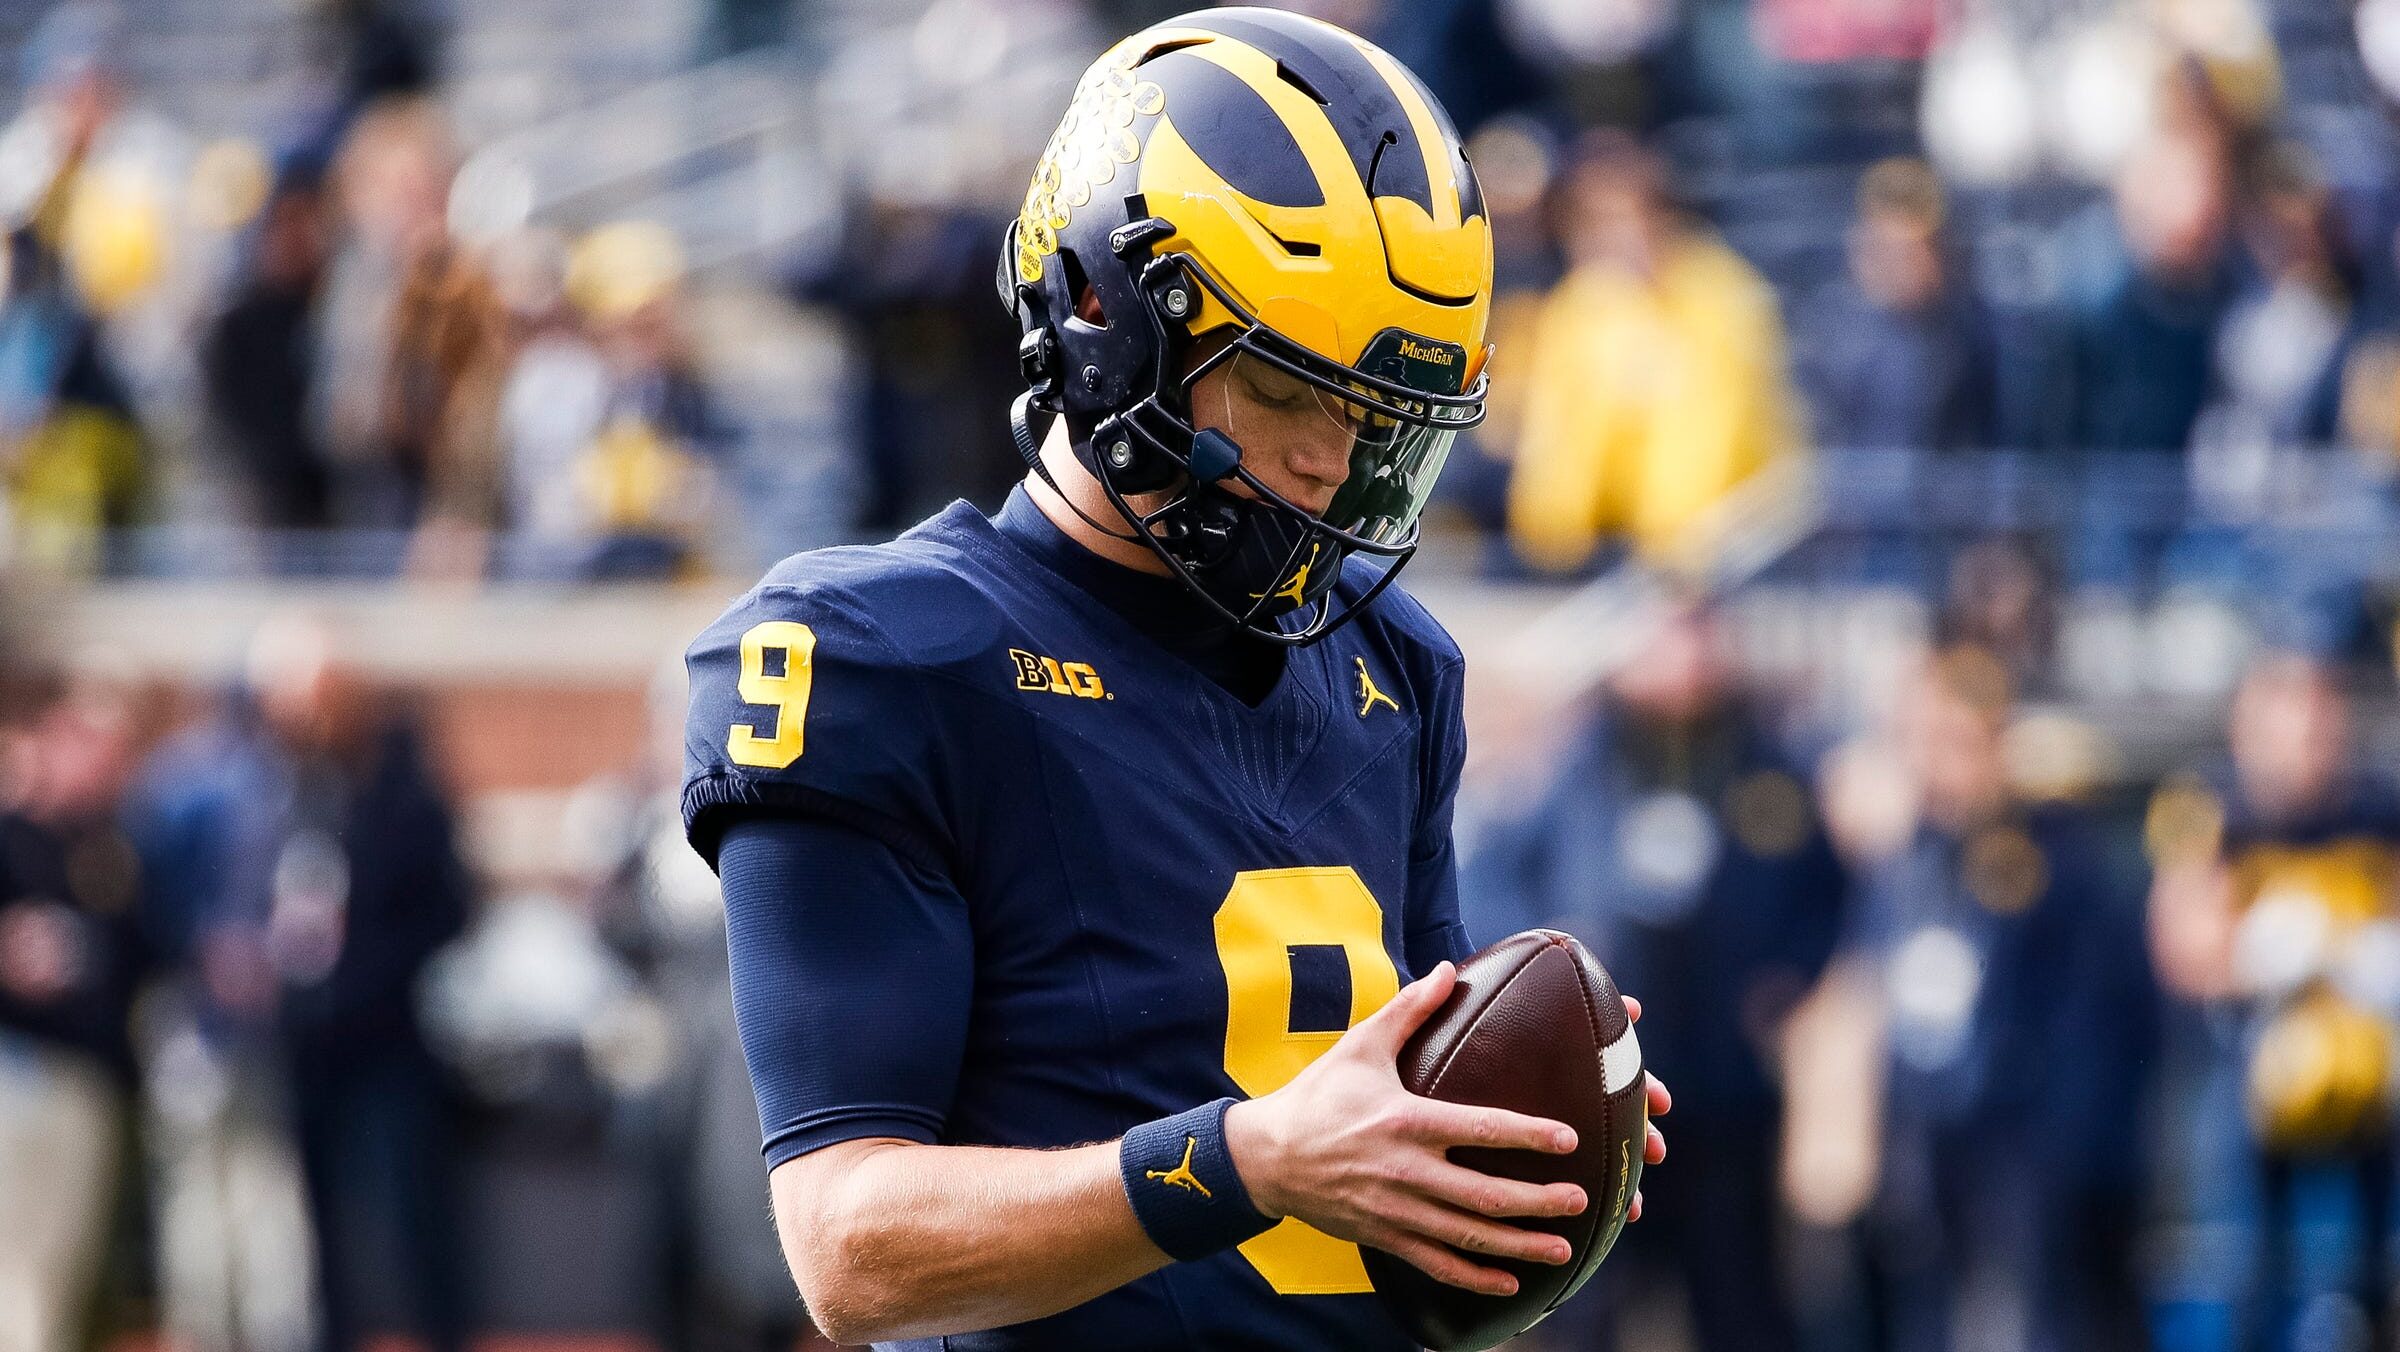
(235, 1253)
(2153, 280)
(2359, 403)
(304, 861)
(2283, 334)
(913, 282)
(2001, 600)
(1657, 381)
(606, 1110)
(82, 182)
(2003, 1209)
(70, 955)
(408, 331)
(259, 360)
(1899, 355)
(1680, 838)
(2272, 916)
(606, 433)
(364, 886)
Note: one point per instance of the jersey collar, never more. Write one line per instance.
(1157, 607)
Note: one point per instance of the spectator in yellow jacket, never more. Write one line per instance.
(1656, 382)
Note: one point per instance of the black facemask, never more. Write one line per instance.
(1255, 561)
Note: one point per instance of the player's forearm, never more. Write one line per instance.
(914, 1241)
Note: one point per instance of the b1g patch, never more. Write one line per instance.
(1035, 672)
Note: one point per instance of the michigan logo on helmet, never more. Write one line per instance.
(1276, 181)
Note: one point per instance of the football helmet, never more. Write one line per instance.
(1250, 185)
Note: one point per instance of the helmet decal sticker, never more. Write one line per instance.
(1100, 135)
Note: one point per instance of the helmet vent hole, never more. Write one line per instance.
(1375, 165)
(1079, 285)
(1293, 78)
(1163, 48)
(1297, 248)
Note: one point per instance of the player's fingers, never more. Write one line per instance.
(1661, 1102)
(1482, 1193)
(1654, 1149)
(1634, 1212)
(1475, 1234)
(1381, 1033)
(1633, 1009)
(1449, 1124)
(1445, 1265)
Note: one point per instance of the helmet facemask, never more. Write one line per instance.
(1265, 563)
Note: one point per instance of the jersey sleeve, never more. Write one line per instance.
(853, 966)
(1434, 931)
(802, 705)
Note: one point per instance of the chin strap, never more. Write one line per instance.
(1020, 429)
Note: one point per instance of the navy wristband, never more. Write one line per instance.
(1184, 1189)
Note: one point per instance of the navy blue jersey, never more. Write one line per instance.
(1115, 888)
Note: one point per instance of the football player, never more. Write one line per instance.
(1121, 817)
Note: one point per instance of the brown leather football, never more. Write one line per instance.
(1536, 1026)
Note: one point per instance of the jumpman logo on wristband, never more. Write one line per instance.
(1181, 1176)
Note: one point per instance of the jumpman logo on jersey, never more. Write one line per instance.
(1368, 695)
(1181, 1176)
(1295, 590)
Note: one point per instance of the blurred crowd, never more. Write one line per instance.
(1969, 1052)
(279, 1071)
(1735, 236)
(1730, 231)
(278, 329)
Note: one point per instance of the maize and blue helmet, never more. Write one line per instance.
(1256, 185)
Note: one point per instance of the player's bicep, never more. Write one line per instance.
(853, 966)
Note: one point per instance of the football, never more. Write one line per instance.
(1536, 1026)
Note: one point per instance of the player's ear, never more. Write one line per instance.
(1087, 307)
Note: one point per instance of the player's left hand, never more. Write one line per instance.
(1654, 1150)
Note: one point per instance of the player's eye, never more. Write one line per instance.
(1271, 388)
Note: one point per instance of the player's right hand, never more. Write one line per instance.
(1345, 1148)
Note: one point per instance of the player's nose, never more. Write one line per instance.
(1321, 460)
